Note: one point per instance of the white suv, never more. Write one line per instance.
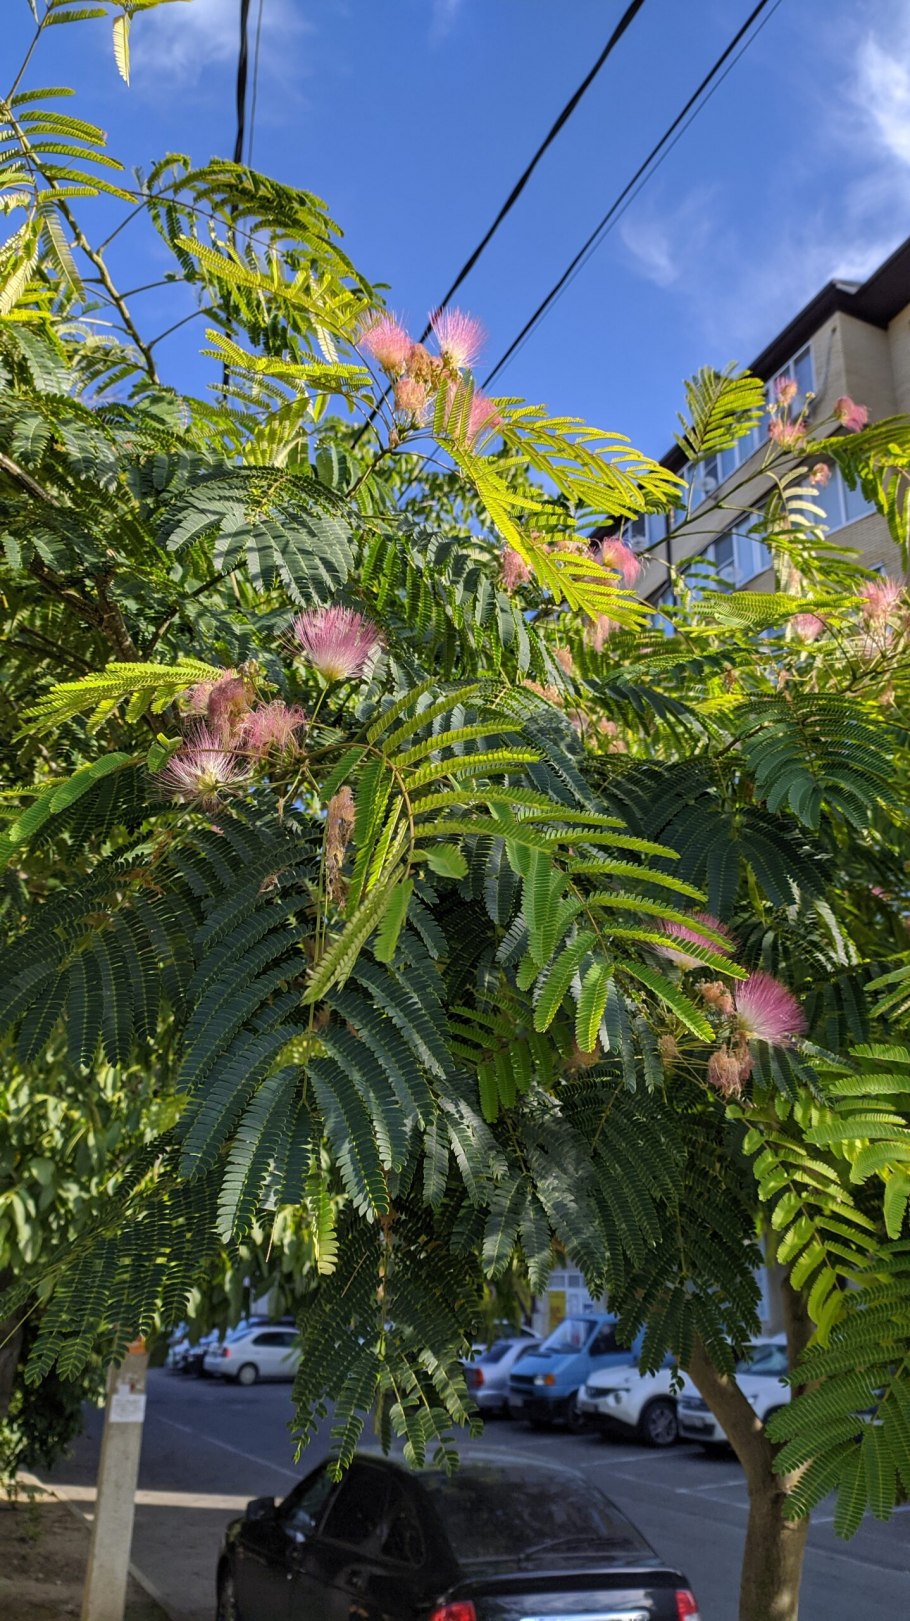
(262, 1351)
(624, 1399)
(760, 1376)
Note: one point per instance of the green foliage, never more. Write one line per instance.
(395, 1015)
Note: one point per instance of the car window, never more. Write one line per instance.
(356, 1513)
(301, 1510)
(604, 1342)
(403, 1542)
(274, 1338)
(570, 1335)
(497, 1513)
(769, 1361)
(495, 1353)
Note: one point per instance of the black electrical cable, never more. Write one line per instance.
(242, 60)
(625, 20)
(255, 96)
(613, 211)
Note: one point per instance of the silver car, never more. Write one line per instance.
(487, 1375)
(259, 1351)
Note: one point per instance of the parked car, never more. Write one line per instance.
(488, 1374)
(632, 1403)
(760, 1378)
(494, 1540)
(545, 1386)
(186, 1355)
(255, 1351)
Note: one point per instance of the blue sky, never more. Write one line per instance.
(412, 118)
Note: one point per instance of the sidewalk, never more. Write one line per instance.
(44, 1545)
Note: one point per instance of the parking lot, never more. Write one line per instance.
(209, 1447)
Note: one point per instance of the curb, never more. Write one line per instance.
(60, 1493)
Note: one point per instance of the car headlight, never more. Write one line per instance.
(544, 1378)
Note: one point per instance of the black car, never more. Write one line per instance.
(493, 1542)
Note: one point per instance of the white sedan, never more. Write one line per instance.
(255, 1352)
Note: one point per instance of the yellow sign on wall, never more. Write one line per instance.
(557, 1303)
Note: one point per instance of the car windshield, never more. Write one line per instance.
(516, 1514)
(768, 1360)
(571, 1335)
(495, 1353)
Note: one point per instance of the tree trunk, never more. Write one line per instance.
(11, 1331)
(773, 1554)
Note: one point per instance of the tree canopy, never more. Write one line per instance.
(361, 816)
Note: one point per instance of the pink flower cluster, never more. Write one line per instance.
(759, 1008)
(338, 642)
(680, 932)
(615, 554)
(853, 417)
(417, 374)
(229, 732)
(878, 599)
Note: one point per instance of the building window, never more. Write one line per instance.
(732, 560)
(840, 504)
(644, 531)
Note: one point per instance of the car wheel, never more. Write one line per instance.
(575, 1418)
(657, 1425)
(227, 1599)
(247, 1373)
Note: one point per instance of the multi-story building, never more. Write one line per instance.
(851, 339)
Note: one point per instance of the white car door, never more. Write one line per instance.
(272, 1349)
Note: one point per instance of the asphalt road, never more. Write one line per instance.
(209, 1447)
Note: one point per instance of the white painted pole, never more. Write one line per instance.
(104, 1595)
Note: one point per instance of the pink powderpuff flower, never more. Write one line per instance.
(515, 571)
(564, 658)
(386, 340)
(338, 642)
(785, 390)
(598, 631)
(767, 1011)
(850, 415)
(807, 627)
(820, 475)
(411, 397)
(788, 435)
(272, 726)
(222, 703)
(679, 931)
(483, 416)
(723, 1073)
(615, 554)
(202, 770)
(460, 337)
(879, 598)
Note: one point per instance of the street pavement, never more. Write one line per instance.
(209, 1447)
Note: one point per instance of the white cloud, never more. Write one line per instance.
(648, 241)
(176, 45)
(662, 242)
(882, 93)
(444, 16)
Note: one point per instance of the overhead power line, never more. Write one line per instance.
(242, 61)
(643, 173)
(625, 20)
(255, 96)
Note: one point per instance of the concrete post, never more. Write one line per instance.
(104, 1596)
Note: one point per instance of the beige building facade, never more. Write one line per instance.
(851, 339)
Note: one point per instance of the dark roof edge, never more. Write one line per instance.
(876, 300)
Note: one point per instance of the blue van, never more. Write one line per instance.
(545, 1384)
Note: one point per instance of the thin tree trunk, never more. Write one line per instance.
(773, 1554)
(11, 1331)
